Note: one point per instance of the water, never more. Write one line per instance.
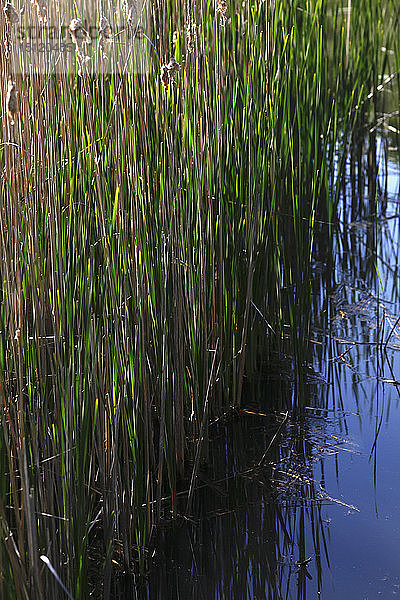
(316, 515)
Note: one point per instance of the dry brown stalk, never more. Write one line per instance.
(105, 35)
(80, 37)
(129, 8)
(169, 72)
(11, 13)
(164, 75)
(41, 10)
(79, 34)
(222, 7)
(12, 101)
(191, 36)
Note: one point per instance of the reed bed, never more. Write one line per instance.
(157, 230)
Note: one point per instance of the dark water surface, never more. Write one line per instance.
(319, 515)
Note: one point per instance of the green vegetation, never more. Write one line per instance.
(154, 241)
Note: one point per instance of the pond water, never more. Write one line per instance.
(317, 513)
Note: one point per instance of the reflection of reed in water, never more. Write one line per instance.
(259, 529)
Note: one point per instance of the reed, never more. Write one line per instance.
(156, 233)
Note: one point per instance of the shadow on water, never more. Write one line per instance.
(314, 514)
(258, 527)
